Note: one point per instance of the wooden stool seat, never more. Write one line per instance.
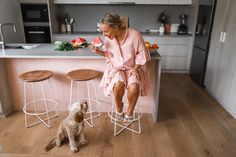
(36, 76)
(82, 74)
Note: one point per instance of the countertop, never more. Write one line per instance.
(147, 33)
(47, 51)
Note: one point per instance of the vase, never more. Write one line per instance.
(167, 27)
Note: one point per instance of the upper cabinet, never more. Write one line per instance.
(164, 2)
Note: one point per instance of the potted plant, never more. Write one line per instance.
(164, 20)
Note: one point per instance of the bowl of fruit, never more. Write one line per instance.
(151, 47)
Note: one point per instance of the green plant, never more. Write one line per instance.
(63, 46)
(163, 18)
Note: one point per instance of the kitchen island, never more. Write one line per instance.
(45, 57)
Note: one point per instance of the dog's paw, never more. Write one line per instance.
(83, 143)
(73, 149)
(58, 143)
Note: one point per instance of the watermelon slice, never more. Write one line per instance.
(97, 42)
(73, 41)
(81, 41)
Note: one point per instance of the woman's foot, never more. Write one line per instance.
(119, 116)
(128, 119)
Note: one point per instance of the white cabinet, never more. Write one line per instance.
(175, 52)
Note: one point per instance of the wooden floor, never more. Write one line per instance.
(191, 124)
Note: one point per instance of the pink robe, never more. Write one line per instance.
(121, 58)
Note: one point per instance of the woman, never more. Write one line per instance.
(126, 56)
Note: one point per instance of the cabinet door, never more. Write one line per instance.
(228, 75)
(215, 63)
(221, 73)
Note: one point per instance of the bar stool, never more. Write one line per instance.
(137, 114)
(85, 75)
(31, 107)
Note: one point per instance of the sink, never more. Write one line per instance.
(13, 47)
(21, 46)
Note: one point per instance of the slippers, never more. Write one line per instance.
(128, 119)
(119, 116)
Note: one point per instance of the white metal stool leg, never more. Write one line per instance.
(90, 119)
(98, 104)
(35, 101)
(91, 111)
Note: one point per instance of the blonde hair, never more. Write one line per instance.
(112, 19)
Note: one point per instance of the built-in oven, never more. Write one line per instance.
(34, 12)
(37, 34)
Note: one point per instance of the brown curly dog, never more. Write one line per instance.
(72, 128)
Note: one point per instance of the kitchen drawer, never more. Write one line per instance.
(174, 63)
(172, 40)
(173, 50)
(168, 40)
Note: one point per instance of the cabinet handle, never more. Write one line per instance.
(36, 32)
(223, 38)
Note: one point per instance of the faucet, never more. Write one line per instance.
(2, 42)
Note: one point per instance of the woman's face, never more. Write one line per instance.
(108, 31)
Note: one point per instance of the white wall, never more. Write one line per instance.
(10, 12)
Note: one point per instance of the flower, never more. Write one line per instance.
(163, 18)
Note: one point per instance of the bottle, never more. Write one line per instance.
(161, 29)
(68, 28)
(63, 27)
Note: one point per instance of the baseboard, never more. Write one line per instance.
(175, 71)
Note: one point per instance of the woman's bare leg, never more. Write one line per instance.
(119, 90)
(133, 94)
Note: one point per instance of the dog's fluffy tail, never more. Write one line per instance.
(50, 145)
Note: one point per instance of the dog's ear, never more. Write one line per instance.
(79, 117)
(84, 106)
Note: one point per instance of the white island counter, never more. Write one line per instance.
(16, 61)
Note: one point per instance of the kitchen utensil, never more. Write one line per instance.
(72, 20)
(174, 27)
(66, 21)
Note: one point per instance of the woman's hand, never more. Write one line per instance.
(134, 72)
(96, 50)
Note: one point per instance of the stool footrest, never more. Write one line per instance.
(40, 113)
(136, 118)
(42, 121)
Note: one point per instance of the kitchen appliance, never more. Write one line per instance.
(36, 23)
(34, 12)
(37, 34)
(202, 40)
(183, 28)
